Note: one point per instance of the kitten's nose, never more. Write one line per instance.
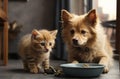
(46, 50)
(75, 41)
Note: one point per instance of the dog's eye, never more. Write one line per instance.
(83, 31)
(72, 31)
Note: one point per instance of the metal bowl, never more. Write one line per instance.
(82, 69)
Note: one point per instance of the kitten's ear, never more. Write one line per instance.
(91, 17)
(65, 15)
(35, 33)
(54, 33)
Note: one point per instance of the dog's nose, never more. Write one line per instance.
(75, 41)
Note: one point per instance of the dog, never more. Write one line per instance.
(85, 39)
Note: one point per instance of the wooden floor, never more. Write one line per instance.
(14, 70)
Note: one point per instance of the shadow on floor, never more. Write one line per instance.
(18, 71)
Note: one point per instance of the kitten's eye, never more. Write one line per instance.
(42, 43)
(72, 31)
(50, 44)
(83, 31)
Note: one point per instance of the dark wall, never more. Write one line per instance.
(33, 14)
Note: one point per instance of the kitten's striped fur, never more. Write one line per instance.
(35, 49)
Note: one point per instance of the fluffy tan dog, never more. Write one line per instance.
(85, 39)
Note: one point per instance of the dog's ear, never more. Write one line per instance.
(65, 15)
(92, 17)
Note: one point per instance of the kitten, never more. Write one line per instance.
(35, 49)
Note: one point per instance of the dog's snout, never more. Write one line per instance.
(75, 41)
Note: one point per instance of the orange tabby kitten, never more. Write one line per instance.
(35, 49)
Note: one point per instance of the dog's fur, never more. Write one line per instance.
(85, 39)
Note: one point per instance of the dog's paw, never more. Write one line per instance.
(75, 62)
(106, 70)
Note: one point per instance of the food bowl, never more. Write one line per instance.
(82, 69)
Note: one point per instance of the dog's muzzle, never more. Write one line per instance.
(75, 42)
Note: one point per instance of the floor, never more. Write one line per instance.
(14, 71)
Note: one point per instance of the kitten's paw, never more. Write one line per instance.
(106, 70)
(34, 70)
(49, 70)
